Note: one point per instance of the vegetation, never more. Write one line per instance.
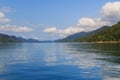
(104, 34)
(6, 38)
(71, 38)
(111, 34)
(76, 36)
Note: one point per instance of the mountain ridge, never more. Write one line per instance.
(73, 37)
(8, 38)
(110, 34)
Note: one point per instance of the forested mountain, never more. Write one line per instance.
(74, 37)
(7, 38)
(103, 34)
(106, 35)
(71, 38)
(30, 40)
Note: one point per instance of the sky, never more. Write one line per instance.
(54, 19)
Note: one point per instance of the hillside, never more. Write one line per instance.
(30, 40)
(7, 38)
(111, 34)
(72, 38)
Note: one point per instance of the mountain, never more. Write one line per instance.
(21, 39)
(72, 38)
(32, 40)
(110, 34)
(97, 30)
(7, 38)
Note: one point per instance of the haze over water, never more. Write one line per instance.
(59, 61)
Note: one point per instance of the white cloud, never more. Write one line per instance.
(15, 28)
(110, 15)
(89, 24)
(3, 18)
(63, 32)
(84, 24)
(111, 78)
(7, 27)
(50, 30)
(111, 12)
(1, 15)
(69, 31)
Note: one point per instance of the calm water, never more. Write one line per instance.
(59, 61)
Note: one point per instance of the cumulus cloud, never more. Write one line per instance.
(3, 18)
(15, 28)
(84, 24)
(1, 15)
(89, 24)
(50, 30)
(63, 32)
(110, 14)
(68, 31)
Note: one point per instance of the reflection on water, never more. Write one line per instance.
(59, 61)
(106, 56)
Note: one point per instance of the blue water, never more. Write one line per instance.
(59, 61)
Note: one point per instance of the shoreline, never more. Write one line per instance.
(100, 42)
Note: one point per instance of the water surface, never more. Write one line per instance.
(59, 61)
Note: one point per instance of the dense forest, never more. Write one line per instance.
(7, 38)
(107, 35)
(103, 34)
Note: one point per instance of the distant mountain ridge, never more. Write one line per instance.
(70, 38)
(110, 34)
(103, 34)
(30, 40)
(8, 38)
(74, 37)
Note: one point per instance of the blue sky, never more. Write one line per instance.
(46, 19)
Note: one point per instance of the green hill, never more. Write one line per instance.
(73, 37)
(111, 34)
(7, 38)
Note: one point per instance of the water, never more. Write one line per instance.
(59, 61)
